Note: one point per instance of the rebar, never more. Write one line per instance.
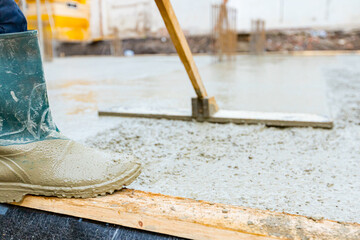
(224, 32)
(257, 37)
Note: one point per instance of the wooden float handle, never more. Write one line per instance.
(181, 45)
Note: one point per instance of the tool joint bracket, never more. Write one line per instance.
(203, 108)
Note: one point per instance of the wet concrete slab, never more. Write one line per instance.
(312, 172)
(80, 86)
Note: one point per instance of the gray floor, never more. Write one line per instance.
(304, 171)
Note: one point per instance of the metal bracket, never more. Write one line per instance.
(203, 108)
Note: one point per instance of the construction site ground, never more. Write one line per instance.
(312, 172)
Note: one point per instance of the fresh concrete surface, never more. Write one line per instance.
(272, 84)
(306, 171)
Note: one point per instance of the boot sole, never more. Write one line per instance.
(15, 192)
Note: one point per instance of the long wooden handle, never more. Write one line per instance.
(181, 45)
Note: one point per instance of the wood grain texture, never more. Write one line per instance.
(194, 219)
(181, 45)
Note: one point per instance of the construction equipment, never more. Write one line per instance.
(205, 108)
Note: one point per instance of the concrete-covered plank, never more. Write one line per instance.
(194, 219)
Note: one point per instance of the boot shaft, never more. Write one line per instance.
(24, 109)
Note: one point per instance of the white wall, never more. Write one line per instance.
(195, 15)
(299, 13)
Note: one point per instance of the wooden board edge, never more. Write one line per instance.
(275, 122)
(193, 219)
(327, 124)
(179, 117)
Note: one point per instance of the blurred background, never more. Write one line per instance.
(118, 27)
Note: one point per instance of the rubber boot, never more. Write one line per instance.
(35, 158)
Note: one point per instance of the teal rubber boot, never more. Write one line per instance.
(35, 158)
(25, 116)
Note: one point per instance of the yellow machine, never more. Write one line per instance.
(63, 20)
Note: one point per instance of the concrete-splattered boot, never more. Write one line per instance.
(34, 157)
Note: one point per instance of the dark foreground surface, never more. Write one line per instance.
(22, 223)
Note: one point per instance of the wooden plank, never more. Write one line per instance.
(227, 116)
(275, 119)
(181, 46)
(179, 114)
(194, 219)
